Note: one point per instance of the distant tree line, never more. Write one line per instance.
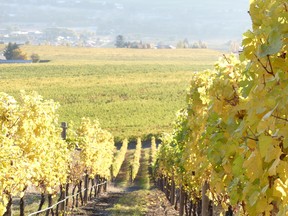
(184, 44)
(121, 43)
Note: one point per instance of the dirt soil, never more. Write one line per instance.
(153, 201)
(157, 203)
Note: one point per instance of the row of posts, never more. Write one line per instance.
(181, 201)
(62, 207)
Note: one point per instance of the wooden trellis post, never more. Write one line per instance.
(64, 192)
(205, 199)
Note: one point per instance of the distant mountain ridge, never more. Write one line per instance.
(169, 19)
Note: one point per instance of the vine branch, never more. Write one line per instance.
(270, 64)
(277, 117)
(251, 138)
(253, 133)
(285, 6)
(225, 57)
(265, 67)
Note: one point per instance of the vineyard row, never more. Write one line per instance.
(230, 143)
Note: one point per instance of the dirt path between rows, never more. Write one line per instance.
(157, 204)
(100, 206)
(141, 193)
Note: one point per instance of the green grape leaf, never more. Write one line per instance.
(273, 46)
(237, 166)
(248, 85)
(280, 189)
(264, 145)
(262, 206)
(285, 142)
(272, 169)
(254, 166)
(274, 152)
(268, 114)
(253, 198)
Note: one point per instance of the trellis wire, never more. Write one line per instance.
(51, 207)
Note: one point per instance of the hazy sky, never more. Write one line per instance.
(205, 19)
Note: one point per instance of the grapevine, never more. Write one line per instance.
(235, 130)
(31, 141)
(135, 163)
(153, 151)
(119, 158)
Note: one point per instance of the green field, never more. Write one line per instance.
(132, 92)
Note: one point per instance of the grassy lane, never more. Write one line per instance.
(140, 198)
(126, 198)
(123, 178)
(142, 180)
(134, 201)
